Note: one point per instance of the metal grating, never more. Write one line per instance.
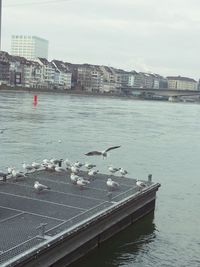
(16, 251)
(22, 210)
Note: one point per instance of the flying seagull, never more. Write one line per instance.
(101, 153)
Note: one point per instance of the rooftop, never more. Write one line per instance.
(179, 78)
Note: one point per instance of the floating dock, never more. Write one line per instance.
(59, 226)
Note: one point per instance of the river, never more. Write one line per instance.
(160, 138)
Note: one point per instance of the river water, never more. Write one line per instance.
(160, 138)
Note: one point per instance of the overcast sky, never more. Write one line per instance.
(160, 36)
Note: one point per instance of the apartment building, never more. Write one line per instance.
(47, 73)
(109, 83)
(122, 78)
(181, 83)
(4, 68)
(90, 77)
(32, 74)
(63, 78)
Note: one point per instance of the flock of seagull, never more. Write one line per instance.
(60, 165)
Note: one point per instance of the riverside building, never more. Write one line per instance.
(181, 83)
(30, 47)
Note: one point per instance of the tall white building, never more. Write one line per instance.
(30, 47)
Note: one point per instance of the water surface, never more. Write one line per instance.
(156, 137)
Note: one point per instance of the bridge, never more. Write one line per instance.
(162, 94)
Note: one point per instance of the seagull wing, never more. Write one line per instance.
(93, 153)
(112, 147)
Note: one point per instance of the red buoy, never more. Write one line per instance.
(35, 100)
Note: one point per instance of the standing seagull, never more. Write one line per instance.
(123, 172)
(17, 174)
(40, 187)
(89, 166)
(27, 167)
(101, 153)
(74, 178)
(112, 185)
(92, 173)
(82, 182)
(112, 169)
(140, 185)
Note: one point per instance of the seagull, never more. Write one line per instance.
(74, 169)
(17, 174)
(140, 184)
(112, 185)
(46, 161)
(112, 169)
(92, 172)
(10, 169)
(89, 166)
(101, 153)
(78, 164)
(74, 178)
(60, 169)
(56, 161)
(40, 187)
(123, 172)
(82, 182)
(67, 163)
(27, 167)
(50, 167)
(36, 165)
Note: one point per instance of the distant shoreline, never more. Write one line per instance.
(67, 92)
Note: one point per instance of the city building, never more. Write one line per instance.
(122, 78)
(32, 73)
(63, 78)
(30, 47)
(4, 68)
(47, 73)
(109, 79)
(90, 78)
(181, 83)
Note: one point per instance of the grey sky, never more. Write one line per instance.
(160, 36)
